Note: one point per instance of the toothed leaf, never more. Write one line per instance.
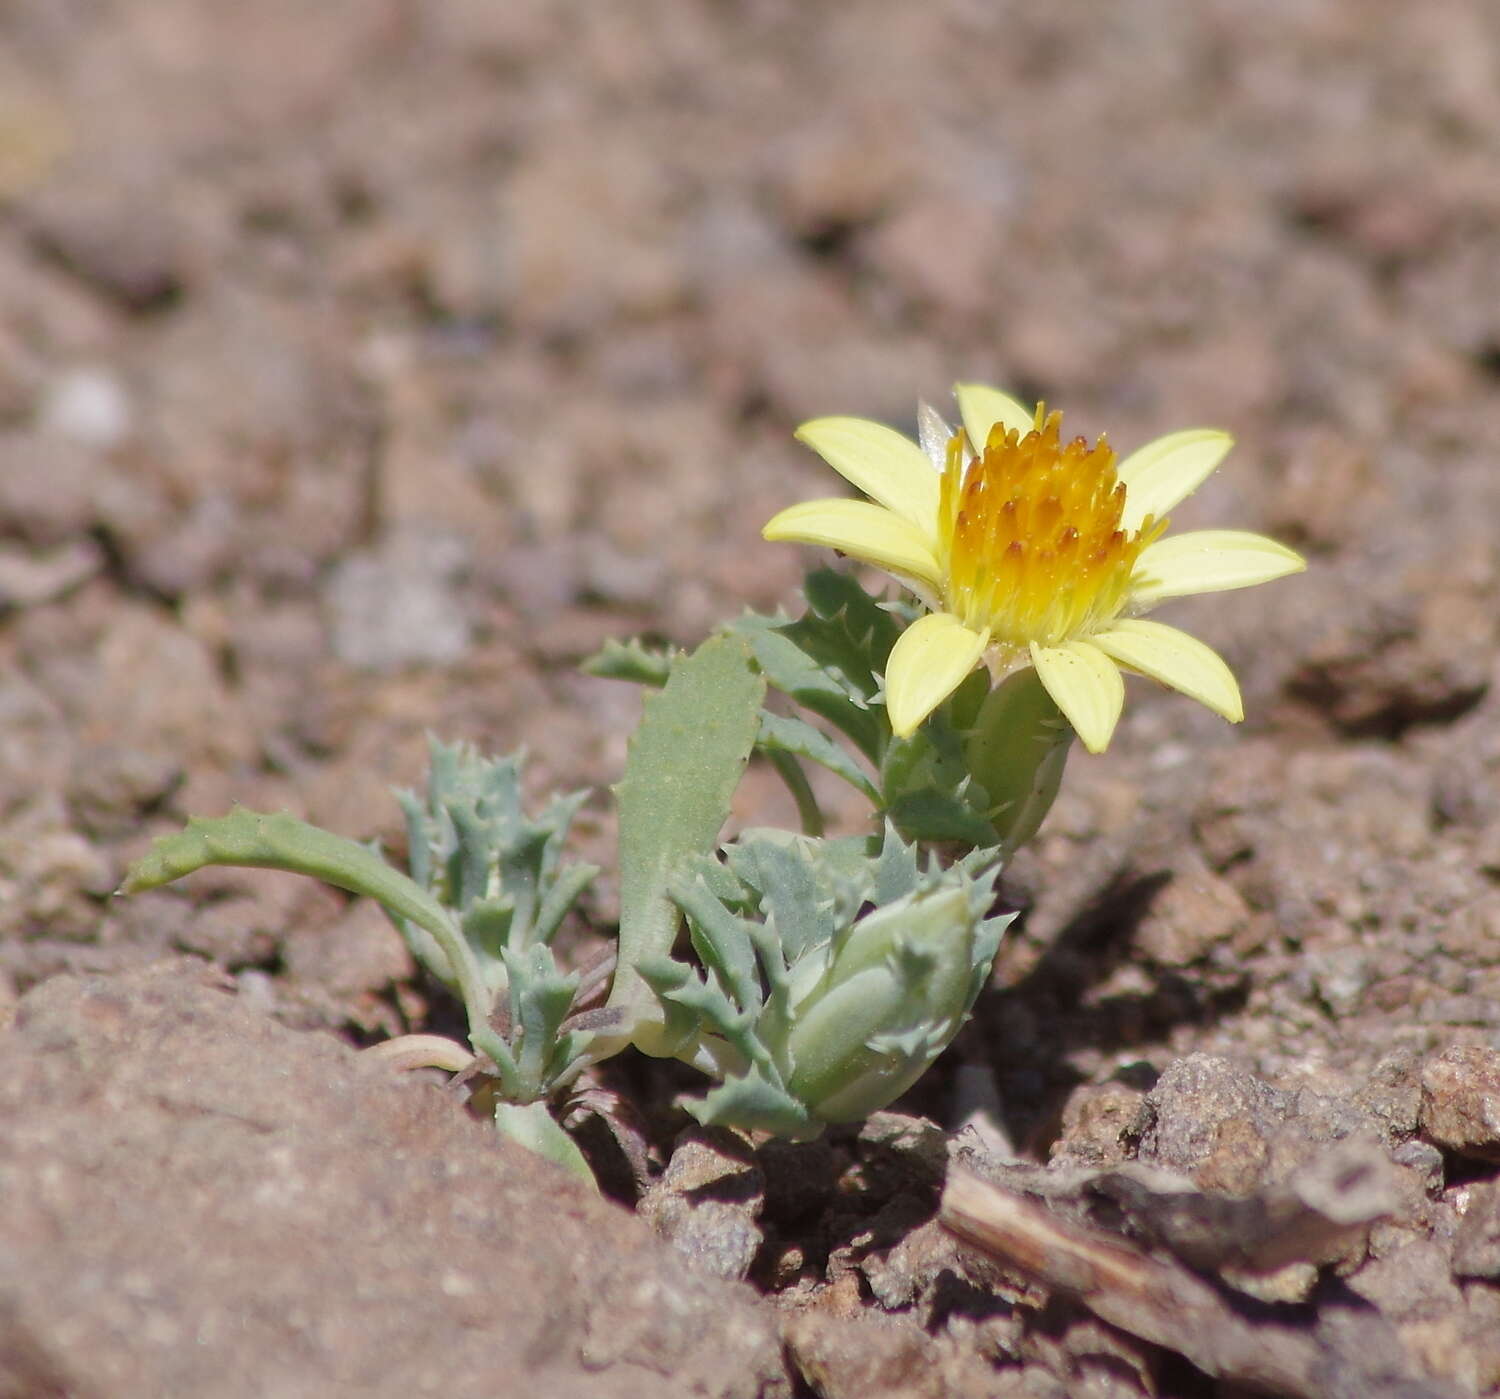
(684, 764)
(784, 733)
(632, 661)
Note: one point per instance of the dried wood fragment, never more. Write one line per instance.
(1159, 1300)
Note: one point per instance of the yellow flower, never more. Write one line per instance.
(1030, 550)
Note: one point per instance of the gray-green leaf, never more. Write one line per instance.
(683, 766)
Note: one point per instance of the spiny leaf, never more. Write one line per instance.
(540, 998)
(751, 1101)
(632, 661)
(940, 817)
(787, 734)
(792, 671)
(845, 628)
(722, 942)
(795, 893)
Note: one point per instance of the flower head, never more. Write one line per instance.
(1031, 550)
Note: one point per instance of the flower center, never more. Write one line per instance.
(1032, 532)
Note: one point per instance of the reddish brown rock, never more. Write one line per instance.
(198, 1201)
(1461, 1101)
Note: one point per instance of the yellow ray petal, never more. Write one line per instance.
(929, 661)
(1176, 659)
(886, 466)
(982, 407)
(1085, 684)
(1208, 561)
(863, 531)
(1161, 475)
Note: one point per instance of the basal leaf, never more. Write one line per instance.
(684, 763)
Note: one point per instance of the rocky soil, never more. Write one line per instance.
(364, 365)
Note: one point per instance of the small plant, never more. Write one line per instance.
(811, 1009)
(827, 973)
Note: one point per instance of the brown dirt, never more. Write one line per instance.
(364, 365)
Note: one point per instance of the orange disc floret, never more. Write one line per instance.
(1031, 527)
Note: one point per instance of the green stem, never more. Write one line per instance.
(808, 810)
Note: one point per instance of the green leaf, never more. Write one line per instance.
(845, 628)
(708, 1007)
(486, 925)
(929, 792)
(684, 763)
(842, 642)
(632, 661)
(785, 873)
(896, 869)
(721, 941)
(533, 1127)
(753, 1103)
(281, 842)
(787, 734)
(938, 817)
(540, 998)
(676, 986)
(475, 849)
(792, 671)
(809, 813)
(564, 893)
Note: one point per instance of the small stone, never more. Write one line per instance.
(898, 1276)
(90, 406)
(52, 879)
(1482, 1335)
(362, 951)
(1340, 976)
(52, 490)
(843, 172)
(1410, 1282)
(232, 932)
(1393, 1093)
(1461, 1101)
(708, 1201)
(852, 1353)
(398, 605)
(900, 251)
(111, 785)
(800, 1177)
(1476, 1248)
(124, 244)
(1100, 1123)
(1292, 1284)
(29, 577)
(1210, 1119)
(180, 558)
(897, 1153)
(1424, 1160)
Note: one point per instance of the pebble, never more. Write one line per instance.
(1210, 1118)
(88, 405)
(397, 605)
(1461, 1101)
(707, 1202)
(1476, 1249)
